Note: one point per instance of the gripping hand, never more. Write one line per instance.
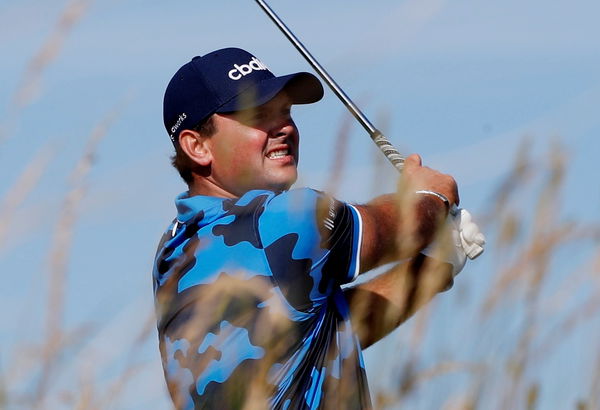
(459, 239)
(471, 238)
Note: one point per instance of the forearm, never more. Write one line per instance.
(378, 306)
(398, 227)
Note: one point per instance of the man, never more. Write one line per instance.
(248, 278)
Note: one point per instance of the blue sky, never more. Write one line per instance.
(462, 83)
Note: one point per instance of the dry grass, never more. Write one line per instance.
(58, 262)
(529, 289)
(29, 87)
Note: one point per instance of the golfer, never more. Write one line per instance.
(248, 278)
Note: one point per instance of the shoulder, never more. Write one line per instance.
(307, 212)
(296, 204)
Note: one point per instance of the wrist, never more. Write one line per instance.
(441, 197)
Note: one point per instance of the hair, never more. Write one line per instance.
(180, 160)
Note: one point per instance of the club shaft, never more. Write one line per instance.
(380, 140)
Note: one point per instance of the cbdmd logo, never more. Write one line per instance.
(241, 70)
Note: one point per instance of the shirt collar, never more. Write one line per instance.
(190, 206)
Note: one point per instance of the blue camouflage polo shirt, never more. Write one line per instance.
(249, 302)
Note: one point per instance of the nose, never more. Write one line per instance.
(283, 128)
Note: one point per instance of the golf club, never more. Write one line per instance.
(380, 140)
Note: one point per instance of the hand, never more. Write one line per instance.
(447, 246)
(471, 238)
(459, 239)
(416, 177)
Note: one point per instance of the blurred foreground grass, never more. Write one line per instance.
(530, 307)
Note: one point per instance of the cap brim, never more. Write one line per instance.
(302, 88)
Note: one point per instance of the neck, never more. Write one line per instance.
(206, 187)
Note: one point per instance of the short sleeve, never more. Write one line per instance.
(312, 233)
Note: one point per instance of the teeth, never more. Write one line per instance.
(278, 154)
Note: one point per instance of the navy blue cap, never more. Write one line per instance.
(228, 80)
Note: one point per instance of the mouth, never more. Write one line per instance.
(277, 154)
(280, 152)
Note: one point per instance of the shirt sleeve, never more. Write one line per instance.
(311, 233)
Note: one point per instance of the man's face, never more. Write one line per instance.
(255, 148)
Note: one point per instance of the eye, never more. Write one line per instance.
(258, 116)
(251, 117)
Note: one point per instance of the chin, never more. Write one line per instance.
(281, 185)
(281, 182)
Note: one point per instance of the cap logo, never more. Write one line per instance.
(174, 128)
(240, 71)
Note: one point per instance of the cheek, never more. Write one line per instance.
(243, 155)
(251, 144)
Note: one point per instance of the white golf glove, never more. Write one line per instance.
(471, 238)
(460, 239)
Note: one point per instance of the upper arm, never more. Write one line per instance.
(379, 232)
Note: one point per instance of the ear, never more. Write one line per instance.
(196, 147)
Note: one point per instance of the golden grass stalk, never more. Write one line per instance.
(59, 257)
(29, 86)
(340, 148)
(594, 396)
(132, 366)
(24, 184)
